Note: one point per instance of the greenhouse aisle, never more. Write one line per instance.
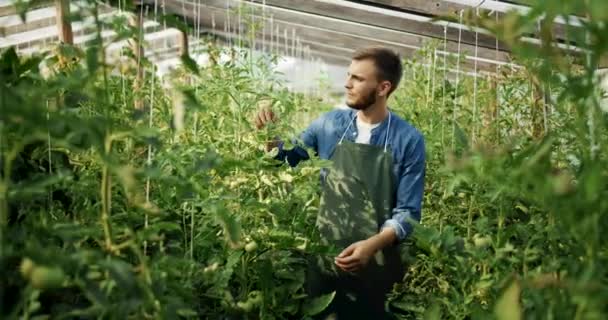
(303, 159)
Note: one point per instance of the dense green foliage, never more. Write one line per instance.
(176, 211)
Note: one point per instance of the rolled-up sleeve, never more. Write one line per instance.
(410, 191)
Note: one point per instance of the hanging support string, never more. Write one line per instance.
(48, 120)
(428, 91)
(456, 96)
(474, 133)
(227, 25)
(433, 79)
(445, 67)
(497, 100)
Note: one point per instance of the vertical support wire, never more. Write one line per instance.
(197, 36)
(149, 160)
(263, 47)
(445, 67)
(456, 95)
(184, 11)
(4, 181)
(533, 109)
(251, 40)
(50, 158)
(122, 74)
(428, 78)
(164, 7)
(149, 156)
(293, 43)
(286, 38)
(277, 40)
(271, 35)
(497, 115)
(213, 24)
(474, 129)
(264, 44)
(198, 27)
(590, 109)
(239, 30)
(433, 81)
(140, 39)
(546, 97)
(227, 26)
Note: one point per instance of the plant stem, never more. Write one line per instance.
(5, 183)
(105, 205)
(470, 217)
(3, 211)
(501, 220)
(106, 179)
(192, 234)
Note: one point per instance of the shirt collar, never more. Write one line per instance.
(383, 124)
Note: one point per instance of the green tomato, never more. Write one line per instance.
(211, 268)
(303, 246)
(255, 297)
(228, 296)
(228, 301)
(481, 242)
(251, 246)
(26, 267)
(246, 306)
(46, 277)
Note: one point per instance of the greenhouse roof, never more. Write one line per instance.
(329, 30)
(333, 29)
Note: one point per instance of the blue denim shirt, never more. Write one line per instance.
(408, 151)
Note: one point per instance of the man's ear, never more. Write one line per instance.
(385, 88)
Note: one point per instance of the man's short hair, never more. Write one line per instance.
(387, 62)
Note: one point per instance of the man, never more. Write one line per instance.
(375, 185)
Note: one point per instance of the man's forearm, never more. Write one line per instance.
(383, 239)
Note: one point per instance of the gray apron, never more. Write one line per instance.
(358, 197)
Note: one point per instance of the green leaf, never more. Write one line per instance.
(433, 313)
(190, 64)
(318, 304)
(228, 270)
(22, 7)
(121, 272)
(232, 228)
(173, 21)
(508, 306)
(190, 99)
(187, 313)
(521, 207)
(29, 65)
(407, 306)
(74, 232)
(92, 58)
(461, 137)
(38, 185)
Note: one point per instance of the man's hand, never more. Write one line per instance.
(265, 115)
(262, 118)
(356, 256)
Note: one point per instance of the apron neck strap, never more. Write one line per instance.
(388, 128)
(345, 131)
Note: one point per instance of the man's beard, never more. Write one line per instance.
(364, 103)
